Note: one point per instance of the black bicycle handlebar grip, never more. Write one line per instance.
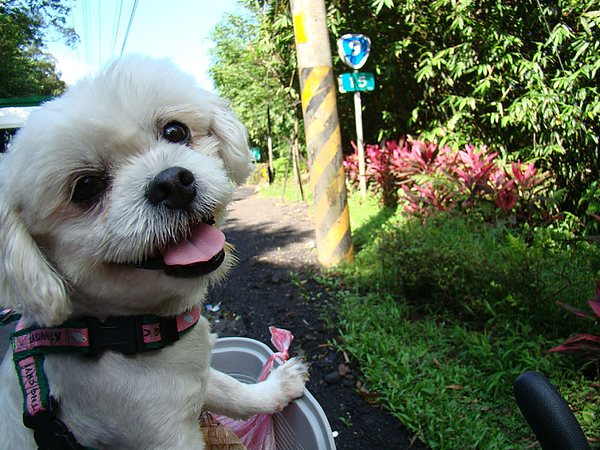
(548, 414)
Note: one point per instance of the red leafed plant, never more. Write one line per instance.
(378, 158)
(475, 169)
(429, 177)
(586, 344)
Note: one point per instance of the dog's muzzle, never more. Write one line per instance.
(203, 250)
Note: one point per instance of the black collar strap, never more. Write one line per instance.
(128, 335)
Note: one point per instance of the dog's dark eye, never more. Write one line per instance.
(88, 188)
(176, 132)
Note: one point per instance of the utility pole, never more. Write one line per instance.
(322, 129)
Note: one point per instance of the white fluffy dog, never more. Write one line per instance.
(107, 198)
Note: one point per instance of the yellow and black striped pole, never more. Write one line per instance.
(322, 129)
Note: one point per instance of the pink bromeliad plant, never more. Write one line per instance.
(379, 177)
(431, 177)
(419, 169)
(379, 160)
(412, 156)
(506, 192)
(475, 169)
(583, 343)
(351, 167)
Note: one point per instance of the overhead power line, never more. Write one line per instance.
(84, 22)
(87, 38)
(73, 25)
(99, 34)
(132, 15)
(116, 25)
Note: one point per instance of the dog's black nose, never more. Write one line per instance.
(173, 187)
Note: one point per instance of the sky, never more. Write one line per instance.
(177, 29)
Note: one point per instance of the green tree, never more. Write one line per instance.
(26, 69)
(521, 77)
(518, 76)
(253, 65)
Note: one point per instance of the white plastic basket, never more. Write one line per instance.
(303, 423)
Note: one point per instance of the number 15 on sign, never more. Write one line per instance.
(357, 81)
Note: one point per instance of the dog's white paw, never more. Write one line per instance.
(288, 381)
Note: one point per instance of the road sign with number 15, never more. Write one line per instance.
(357, 81)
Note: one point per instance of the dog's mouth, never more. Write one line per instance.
(201, 253)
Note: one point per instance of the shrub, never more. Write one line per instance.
(480, 310)
(380, 178)
(449, 262)
(473, 181)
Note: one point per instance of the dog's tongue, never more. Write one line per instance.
(204, 243)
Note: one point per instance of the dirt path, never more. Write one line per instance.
(273, 240)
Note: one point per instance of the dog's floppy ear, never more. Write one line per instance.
(234, 141)
(28, 284)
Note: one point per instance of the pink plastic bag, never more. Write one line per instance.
(257, 433)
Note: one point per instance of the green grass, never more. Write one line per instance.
(444, 368)
(451, 385)
(442, 354)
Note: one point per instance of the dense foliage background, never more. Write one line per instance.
(254, 65)
(519, 77)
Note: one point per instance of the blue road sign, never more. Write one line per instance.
(354, 49)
